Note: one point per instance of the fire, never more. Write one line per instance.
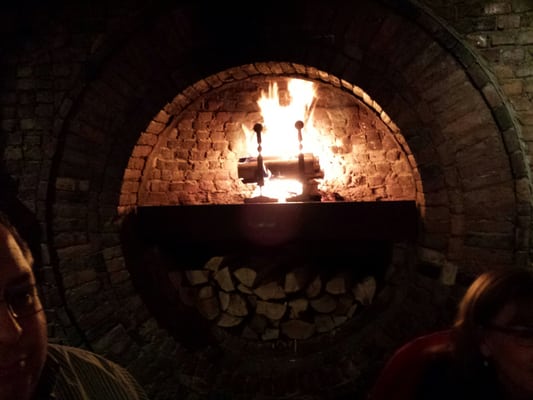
(280, 111)
(279, 134)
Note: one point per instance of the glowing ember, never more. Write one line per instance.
(280, 137)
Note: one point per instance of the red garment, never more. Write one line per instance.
(401, 374)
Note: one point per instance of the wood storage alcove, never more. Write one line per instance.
(268, 281)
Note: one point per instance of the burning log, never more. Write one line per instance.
(281, 168)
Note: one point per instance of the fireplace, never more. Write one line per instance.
(225, 265)
(195, 227)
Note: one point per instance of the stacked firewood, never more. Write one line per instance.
(295, 303)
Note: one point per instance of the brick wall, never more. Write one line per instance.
(87, 89)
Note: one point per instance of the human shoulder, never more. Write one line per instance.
(98, 375)
(76, 357)
(61, 353)
(446, 378)
(438, 379)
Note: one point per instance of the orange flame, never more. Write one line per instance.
(280, 137)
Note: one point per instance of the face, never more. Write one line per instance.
(23, 340)
(511, 354)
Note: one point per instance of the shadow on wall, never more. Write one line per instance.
(149, 273)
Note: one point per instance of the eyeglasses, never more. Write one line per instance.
(22, 301)
(523, 335)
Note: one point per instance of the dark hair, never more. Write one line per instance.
(22, 222)
(482, 302)
(21, 243)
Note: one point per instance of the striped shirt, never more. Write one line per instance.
(75, 374)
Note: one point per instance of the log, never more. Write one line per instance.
(365, 290)
(324, 323)
(280, 168)
(344, 303)
(270, 334)
(237, 305)
(244, 289)
(208, 307)
(246, 276)
(197, 276)
(336, 285)
(314, 288)
(297, 307)
(224, 280)
(205, 292)
(227, 320)
(324, 304)
(273, 311)
(338, 320)
(214, 263)
(297, 329)
(223, 298)
(295, 280)
(352, 310)
(269, 291)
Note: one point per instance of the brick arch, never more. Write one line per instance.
(161, 163)
(132, 93)
(400, 77)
